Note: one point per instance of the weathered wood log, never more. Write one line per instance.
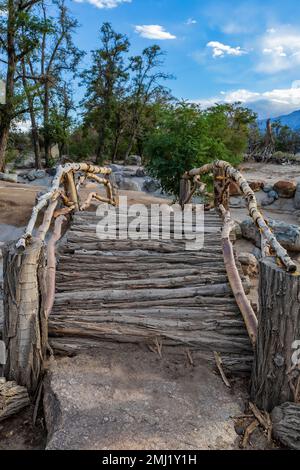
(286, 424)
(64, 174)
(13, 398)
(275, 377)
(22, 320)
(237, 177)
(234, 277)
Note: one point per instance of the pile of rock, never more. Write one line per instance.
(133, 177)
(287, 234)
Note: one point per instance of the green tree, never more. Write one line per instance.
(187, 137)
(105, 82)
(14, 47)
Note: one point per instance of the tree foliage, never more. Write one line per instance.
(187, 137)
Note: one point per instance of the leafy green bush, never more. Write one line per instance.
(187, 137)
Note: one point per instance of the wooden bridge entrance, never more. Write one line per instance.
(149, 291)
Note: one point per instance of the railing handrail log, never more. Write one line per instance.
(236, 176)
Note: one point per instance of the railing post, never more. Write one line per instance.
(221, 189)
(276, 374)
(23, 299)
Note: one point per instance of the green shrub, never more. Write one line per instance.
(187, 137)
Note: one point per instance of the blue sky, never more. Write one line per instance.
(218, 50)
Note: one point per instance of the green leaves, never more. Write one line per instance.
(187, 137)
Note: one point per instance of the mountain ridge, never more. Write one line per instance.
(291, 120)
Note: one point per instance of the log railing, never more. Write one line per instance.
(30, 265)
(275, 376)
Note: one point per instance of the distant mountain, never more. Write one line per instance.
(292, 120)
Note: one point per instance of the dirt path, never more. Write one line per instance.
(126, 397)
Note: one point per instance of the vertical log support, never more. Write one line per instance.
(221, 189)
(72, 191)
(276, 374)
(23, 270)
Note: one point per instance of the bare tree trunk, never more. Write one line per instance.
(4, 134)
(8, 107)
(276, 376)
(47, 143)
(130, 145)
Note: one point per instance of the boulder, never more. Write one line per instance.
(234, 190)
(285, 189)
(134, 160)
(10, 177)
(256, 185)
(36, 174)
(267, 188)
(140, 172)
(237, 202)
(249, 264)
(116, 168)
(271, 197)
(128, 185)
(287, 234)
(150, 185)
(297, 197)
(128, 172)
(51, 171)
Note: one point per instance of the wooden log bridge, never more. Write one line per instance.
(72, 295)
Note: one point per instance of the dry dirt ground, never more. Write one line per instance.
(127, 397)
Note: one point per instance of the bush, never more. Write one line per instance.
(187, 137)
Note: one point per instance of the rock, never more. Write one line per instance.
(287, 234)
(285, 189)
(10, 177)
(286, 424)
(128, 172)
(234, 190)
(256, 185)
(134, 160)
(267, 201)
(128, 185)
(297, 197)
(237, 202)
(36, 174)
(116, 168)
(51, 171)
(140, 172)
(150, 185)
(267, 188)
(273, 194)
(249, 264)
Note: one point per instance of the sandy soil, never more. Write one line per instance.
(126, 397)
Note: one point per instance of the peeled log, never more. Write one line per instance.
(13, 398)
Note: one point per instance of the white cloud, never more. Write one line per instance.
(279, 50)
(104, 3)
(190, 21)
(267, 104)
(153, 31)
(220, 50)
